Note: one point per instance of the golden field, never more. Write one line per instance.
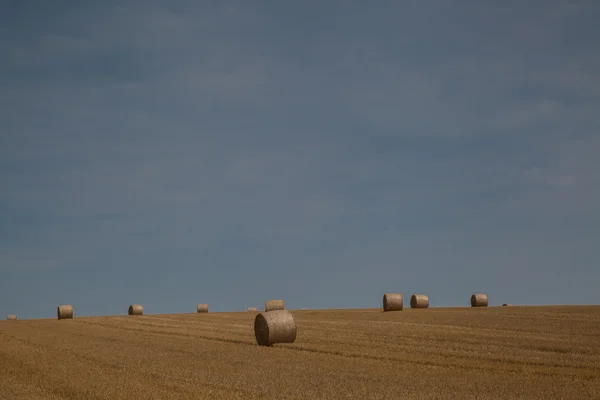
(437, 353)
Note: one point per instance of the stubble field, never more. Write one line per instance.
(438, 353)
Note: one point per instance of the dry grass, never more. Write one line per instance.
(64, 312)
(419, 301)
(448, 353)
(274, 327)
(393, 302)
(479, 300)
(135, 309)
(272, 305)
(202, 308)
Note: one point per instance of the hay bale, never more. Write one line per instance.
(393, 302)
(11, 317)
(506, 305)
(277, 326)
(136, 309)
(273, 305)
(479, 300)
(65, 312)
(252, 309)
(419, 301)
(202, 308)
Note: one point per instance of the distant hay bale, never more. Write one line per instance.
(136, 309)
(273, 327)
(479, 300)
(506, 305)
(393, 302)
(419, 301)
(252, 309)
(11, 317)
(273, 305)
(65, 312)
(202, 308)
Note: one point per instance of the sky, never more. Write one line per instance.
(170, 153)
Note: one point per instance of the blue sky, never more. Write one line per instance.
(183, 152)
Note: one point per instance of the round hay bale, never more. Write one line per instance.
(252, 309)
(479, 300)
(419, 301)
(11, 317)
(506, 305)
(273, 305)
(276, 326)
(202, 308)
(64, 312)
(393, 302)
(136, 309)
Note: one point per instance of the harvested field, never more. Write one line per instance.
(437, 353)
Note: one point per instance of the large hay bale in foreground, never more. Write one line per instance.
(252, 309)
(202, 308)
(11, 317)
(479, 300)
(64, 312)
(136, 309)
(393, 302)
(419, 301)
(273, 305)
(273, 327)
